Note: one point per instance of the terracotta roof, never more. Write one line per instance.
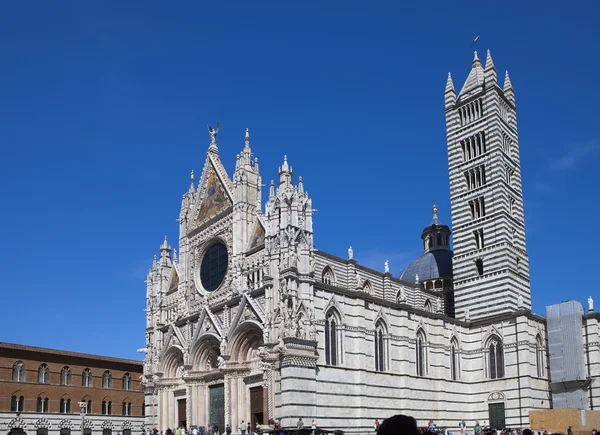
(26, 348)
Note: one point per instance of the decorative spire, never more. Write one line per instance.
(300, 186)
(507, 83)
(256, 164)
(174, 255)
(154, 262)
(272, 190)
(247, 139)
(449, 84)
(192, 180)
(476, 58)
(285, 172)
(489, 63)
(285, 167)
(434, 210)
(165, 246)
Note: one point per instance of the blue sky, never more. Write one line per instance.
(103, 113)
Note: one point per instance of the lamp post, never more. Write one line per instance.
(83, 407)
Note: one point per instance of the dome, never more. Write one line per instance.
(430, 265)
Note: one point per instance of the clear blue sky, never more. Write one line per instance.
(103, 113)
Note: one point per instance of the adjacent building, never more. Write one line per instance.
(41, 389)
(249, 321)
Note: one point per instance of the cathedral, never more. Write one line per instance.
(247, 321)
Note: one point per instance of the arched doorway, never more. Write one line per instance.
(17, 431)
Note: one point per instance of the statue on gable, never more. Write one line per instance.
(590, 304)
(386, 266)
(213, 133)
(350, 253)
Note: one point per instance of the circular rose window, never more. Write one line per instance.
(214, 267)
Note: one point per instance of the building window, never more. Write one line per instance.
(106, 431)
(18, 372)
(143, 409)
(380, 348)
(86, 378)
(421, 354)
(106, 407)
(107, 380)
(127, 381)
(511, 206)
(479, 266)
(328, 277)
(88, 409)
(471, 112)
(367, 287)
(496, 358)
(43, 374)
(42, 431)
(65, 405)
(477, 208)
(539, 356)
(16, 403)
(478, 234)
(427, 306)
(475, 177)
(42, 404)
(473, 146)
(65, 376)
(65, 431)
(454, 360)
(331, 339)
(126, 408)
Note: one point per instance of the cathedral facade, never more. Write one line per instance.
(247, 321)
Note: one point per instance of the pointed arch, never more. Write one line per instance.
(43, 374)
(172, 361)
(328, 277)
(539, 356)
(18, 371)
(427, 306)
(106, 406)
(381, 345)
(86, 378)
(495, 357)
(400, 296)
(204, 353)
(65, 376)
(248, 337)
(367, 287)
(421, 352)
(107, 379)
(42, 403)
(127, 381)
(65, 404)
(333, 337)
(454, 359)
(16, 401)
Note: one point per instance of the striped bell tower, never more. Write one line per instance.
(490, 265)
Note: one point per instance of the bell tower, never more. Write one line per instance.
(491, 266)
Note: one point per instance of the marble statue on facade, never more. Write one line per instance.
(386, 266)
(213, 133)
(350, 253)
(223, 346)
(590, 304)
(520, 301)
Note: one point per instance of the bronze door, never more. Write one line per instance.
(497, 415)
(256, 406)
(181, 418)
(217, 407)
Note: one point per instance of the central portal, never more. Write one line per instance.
(256, 406)
(216, 411)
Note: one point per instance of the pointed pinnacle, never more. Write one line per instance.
(489, 63)
(449, 83)
(507, 83)
(475, 58)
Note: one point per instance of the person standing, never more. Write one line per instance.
(376, 425)
(569, 431)
(228, 429)
(243, 428)
(300, 424)
(313, 426)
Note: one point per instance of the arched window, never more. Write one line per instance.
(421, 353)
(42, 404)
(16, 403)
(328, 277)
(65, 405)
(106, 407)
(427, 306)
(496, 358)
(331, 338)
(539, 356)
(454, 359)
(88, 409)
(107, 380)
(127, 381)
(125, 408)
(43, 374)
(65, 376)
(380, 348)
(18, 372)
(86, 378)
(367, 287)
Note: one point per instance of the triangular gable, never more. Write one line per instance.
(258, 236)
(174, 284)
(173, 339)
(214, 193)
(248, 310)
